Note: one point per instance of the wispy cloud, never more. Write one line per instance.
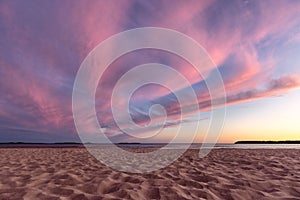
(44, 43)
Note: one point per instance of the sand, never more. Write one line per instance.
(72, 173)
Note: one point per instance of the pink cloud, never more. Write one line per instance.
(42, 50)
(236, 37)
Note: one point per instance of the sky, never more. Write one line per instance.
(254, 44)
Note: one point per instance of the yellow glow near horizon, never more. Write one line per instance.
(273, 118)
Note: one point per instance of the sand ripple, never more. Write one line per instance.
(60, 173)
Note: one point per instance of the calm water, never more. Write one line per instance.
(197, 146)
(259, 146)
(156, 145)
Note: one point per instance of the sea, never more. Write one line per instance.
(153, 145)
(215, 146)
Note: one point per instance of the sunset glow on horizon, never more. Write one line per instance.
(254, 44)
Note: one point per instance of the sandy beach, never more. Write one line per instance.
(72, 173)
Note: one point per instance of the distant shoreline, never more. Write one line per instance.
(269, 142)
